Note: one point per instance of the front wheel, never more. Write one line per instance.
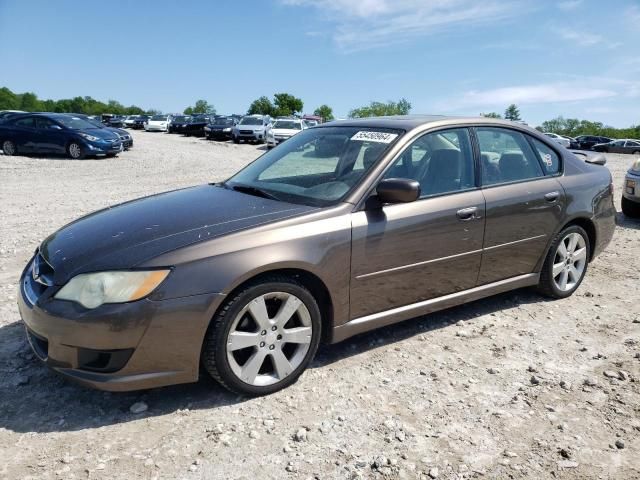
(566, 263)
(630, 208)
(75, 151)
(263, 338)
(9, 148)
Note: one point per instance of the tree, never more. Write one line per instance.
(491, 115)
(325, 112)
(286, 104)
(8, 99)
(261, 106)
(512, 112)
(201, 106)
(379, 109)
(29, 102)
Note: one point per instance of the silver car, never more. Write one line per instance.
(252, 128)
(631, 191)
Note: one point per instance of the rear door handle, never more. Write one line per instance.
(467, 213)
(552, 196)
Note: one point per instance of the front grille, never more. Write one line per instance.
(246, 132)
(37, 278)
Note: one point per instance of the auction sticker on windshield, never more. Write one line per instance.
(380, 137)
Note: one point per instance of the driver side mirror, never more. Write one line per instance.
(398, 190)
(55, 127)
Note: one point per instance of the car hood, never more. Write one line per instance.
(128, 234)
(219, 126)
(284, 131)
(105, 133)
(157, 121)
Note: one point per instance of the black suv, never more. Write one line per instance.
(586, 142)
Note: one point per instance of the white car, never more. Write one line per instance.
(157, 123)
(283, 129)
(129, 120)
(564, 141)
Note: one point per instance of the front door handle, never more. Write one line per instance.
(552, 196)
(467, 213)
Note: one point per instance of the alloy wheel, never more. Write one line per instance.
(8, 147)
(569, 262)
(269, 338)
(75, 151)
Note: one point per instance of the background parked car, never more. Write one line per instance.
(252, 128)
(57, 133)
(196, 125)
(140, 120)
(116, 121)
(283, 129)
(177, 123)
(157, 123)
(631, 191)
(559, 139)
(4, 114)
(129, 120)
(586, 142)
(125, 137)
(219, 128)
(619, 146)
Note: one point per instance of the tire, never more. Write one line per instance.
(630, 208)
(570, 264)
(75, 151)
(262, 342)
(9, 148)
(635, 152)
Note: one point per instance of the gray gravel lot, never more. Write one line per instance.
(514, 386)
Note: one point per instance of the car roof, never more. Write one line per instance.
(409, 122)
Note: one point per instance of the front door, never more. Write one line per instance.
(524, 201)
(407, 253)
(48, 136)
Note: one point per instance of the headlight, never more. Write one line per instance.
(93, 289)
(635, 167)
(91, 138)
(226, 129)
(207, 129)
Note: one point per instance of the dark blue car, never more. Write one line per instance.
(57, 133)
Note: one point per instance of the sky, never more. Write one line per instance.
(576, 58)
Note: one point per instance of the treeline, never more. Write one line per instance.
(29, 102)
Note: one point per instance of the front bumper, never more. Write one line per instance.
(277, 140)
(631, 187)
(155, 128)
(103, 148)
(253, 136)
(117, 347)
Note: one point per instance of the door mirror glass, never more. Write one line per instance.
(398, 190)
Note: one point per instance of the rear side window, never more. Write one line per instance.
(506, 156)
(549, 158)
(25, 122)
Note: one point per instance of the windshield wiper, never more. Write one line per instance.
(251, 190)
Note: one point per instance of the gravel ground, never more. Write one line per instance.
(514, 386)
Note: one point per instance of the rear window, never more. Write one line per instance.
(549, 158)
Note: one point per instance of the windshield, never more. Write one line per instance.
(74, 123)
(319, 166)
(287, 124)
(179, 119)
(159, 118)
(93, 121)
(251, 121)
(222, 121)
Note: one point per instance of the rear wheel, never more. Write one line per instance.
(263, 338)
(636, 152)
(9, 148)
(566, 263)
(75, 151)
(630, 208)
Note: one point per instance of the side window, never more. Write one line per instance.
(506, 156)
(43, 123)
(442, 162)
(550, 159)
(25, 122)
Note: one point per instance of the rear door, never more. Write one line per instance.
(524, 201)
(23, 133)
(406, 253)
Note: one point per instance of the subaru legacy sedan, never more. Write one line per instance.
(346, 227)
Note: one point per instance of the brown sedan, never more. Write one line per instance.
(344, 228)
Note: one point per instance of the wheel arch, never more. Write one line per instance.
(307, 279)
(588, 226)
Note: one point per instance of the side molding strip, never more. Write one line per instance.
(405, 312)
